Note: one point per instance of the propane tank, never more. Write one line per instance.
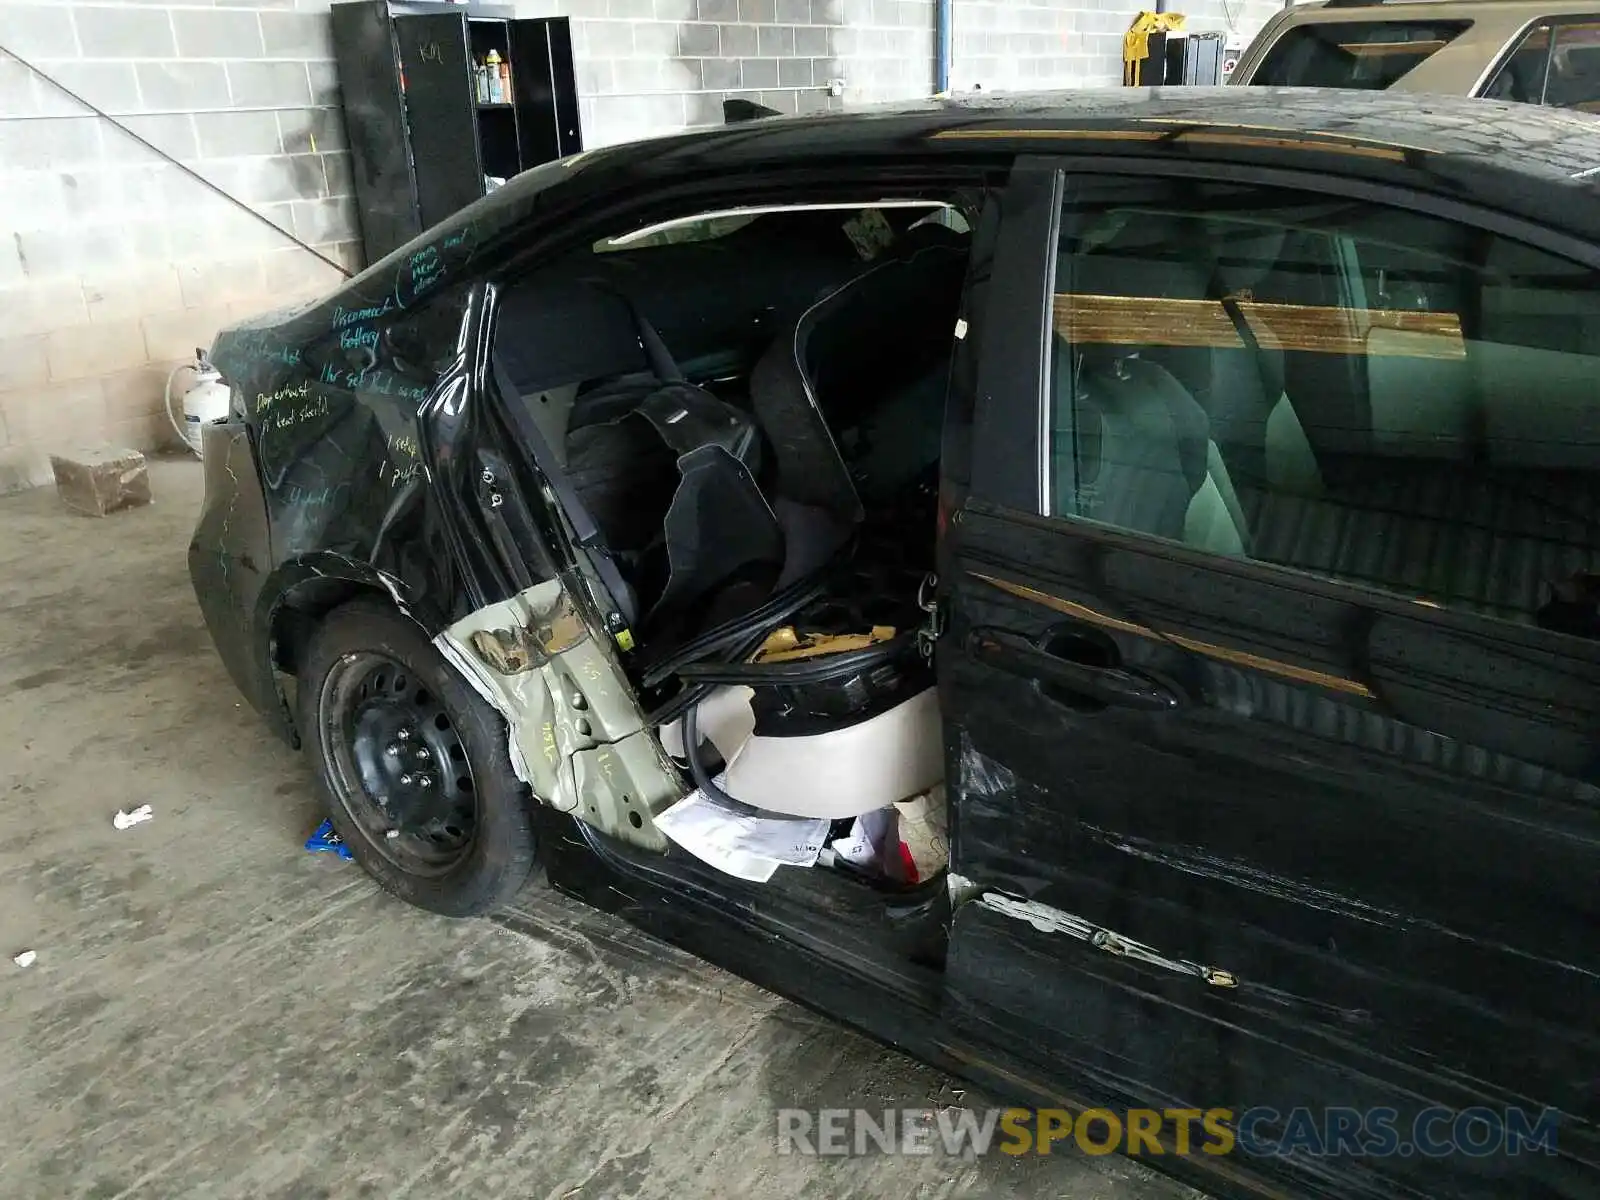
(206, 400)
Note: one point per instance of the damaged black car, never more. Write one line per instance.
(1101, 591)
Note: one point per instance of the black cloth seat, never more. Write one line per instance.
(876, 346)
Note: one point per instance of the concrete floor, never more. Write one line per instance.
(214, 1012)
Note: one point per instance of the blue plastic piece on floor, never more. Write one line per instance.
(326, 840)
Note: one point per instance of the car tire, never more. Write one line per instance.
(342, 721)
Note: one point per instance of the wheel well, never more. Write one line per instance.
(301, 610)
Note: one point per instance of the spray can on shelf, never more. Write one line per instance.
(496, 91)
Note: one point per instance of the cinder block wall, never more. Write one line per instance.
(1016, 45)
(655, 66)
(115, 264)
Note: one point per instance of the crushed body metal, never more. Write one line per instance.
(1052, 920)
(577, 736)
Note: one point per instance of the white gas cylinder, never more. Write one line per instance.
(205, 400)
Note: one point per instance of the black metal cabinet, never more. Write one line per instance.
(421, 140)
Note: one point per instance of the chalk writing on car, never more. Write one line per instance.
(404, 445)
(289, 417)
(372, 382)
(422, 270)
(354, 316)
(313, 498)
(358, 337)
(262, 348)
(418, 272)
(266, 400)
(394, 475)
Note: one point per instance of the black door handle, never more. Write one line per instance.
(1011, 652)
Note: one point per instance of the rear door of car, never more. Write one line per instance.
(1271, 670)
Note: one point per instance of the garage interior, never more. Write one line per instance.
(209, 1009)
(202, 985)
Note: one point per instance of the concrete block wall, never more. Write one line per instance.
(1014, 45)
(114, 263)
(648, 67)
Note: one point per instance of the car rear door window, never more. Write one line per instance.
(1366, 394)
(1371, 55)
(1557, 63)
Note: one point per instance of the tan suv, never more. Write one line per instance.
(1537, 53)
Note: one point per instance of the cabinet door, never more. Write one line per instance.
(440, 112)
(374, 118)
(546, 90)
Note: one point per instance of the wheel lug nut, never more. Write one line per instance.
(422, 754)
(425, 781)
(392, 834)
(404, 735)
(407, 779)
(392, 749)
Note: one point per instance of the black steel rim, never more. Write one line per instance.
(396, 763)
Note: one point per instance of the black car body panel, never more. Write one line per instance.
(1327, 848)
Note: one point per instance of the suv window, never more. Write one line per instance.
(1353, 54)
(1556, 63)
(1366, 394)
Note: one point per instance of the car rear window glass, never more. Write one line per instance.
(1371, 55)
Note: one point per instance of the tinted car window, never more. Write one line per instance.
(1353, 54)
(1574, 79)
(1357, 392)
(1521, 78)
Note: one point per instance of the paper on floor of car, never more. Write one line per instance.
(741, 844)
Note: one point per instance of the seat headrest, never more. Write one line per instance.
(1245, 254)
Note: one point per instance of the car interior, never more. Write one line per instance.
(1353, 54)
(1370, 397)
(748, 408)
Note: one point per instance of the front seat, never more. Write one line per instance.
(1145, 459)
(879, 346)
(1144, 456)
(1253, 421)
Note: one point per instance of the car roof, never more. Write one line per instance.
(1535, 163)
(1530, 139)
(1497, 153)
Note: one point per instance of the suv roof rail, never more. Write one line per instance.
(1368, 3)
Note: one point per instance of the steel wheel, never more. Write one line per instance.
(396, 763)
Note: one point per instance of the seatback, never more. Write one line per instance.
(1144, 455)
(1245, 382)
(847, 356)
(1142, 446)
